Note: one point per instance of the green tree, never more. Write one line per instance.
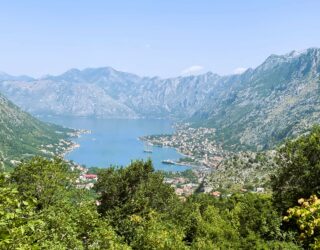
(299, 170)
(44, 210)
(152, 232)
(212, 228)
(45, 180)
(74, 226)
(117, 186)
(134, 190)
(256, 214)
(242, 221)
(16, 217)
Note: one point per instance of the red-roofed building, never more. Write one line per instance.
(216, 193)
(89, 177)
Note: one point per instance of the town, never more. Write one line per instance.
(198, 145)
(201, 152)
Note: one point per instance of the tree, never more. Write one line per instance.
(15, 216)
(40, 208)
(134, 190)
(116, 186)
(152, 232)
(211, 227)
(242, 221)
(307, 219)
(45, 180)
(255, 214)
(74, 226)
(299, 170)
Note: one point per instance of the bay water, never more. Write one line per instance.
(115, 141)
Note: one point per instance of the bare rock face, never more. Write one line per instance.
(107, 93)
(277, 100)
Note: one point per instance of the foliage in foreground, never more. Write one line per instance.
(42, 208)
(307, 219)
(299, 170)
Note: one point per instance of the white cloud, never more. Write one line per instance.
(239, 70)
(192, 70)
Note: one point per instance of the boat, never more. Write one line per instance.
(147, 148)
(170, 162)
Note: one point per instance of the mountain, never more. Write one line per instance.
(256, 109)
(107, 93)
(4, 76)
(22, 135)
(277, 100)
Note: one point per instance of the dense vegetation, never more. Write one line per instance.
(22, 136)
(41, 207)
(300, 170)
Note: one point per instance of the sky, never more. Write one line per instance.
(152, 38)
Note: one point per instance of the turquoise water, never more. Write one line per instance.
(115, 141)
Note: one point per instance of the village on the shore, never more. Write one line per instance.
(196, 144)
(200, 153)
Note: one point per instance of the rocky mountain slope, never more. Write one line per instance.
(107, 93)
(277, 100)
(256, 109)
(21, 135)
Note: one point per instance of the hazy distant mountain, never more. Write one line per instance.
(21, 135)
(105, 92)
(257, 108)
(5, 76)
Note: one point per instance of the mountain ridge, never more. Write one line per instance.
(234, 104)
(273, 103)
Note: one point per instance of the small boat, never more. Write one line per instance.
(170, 162)
(148, 148)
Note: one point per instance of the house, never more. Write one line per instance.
(86, 185)
(207, 189)
(260, 190)
(87, 177)
(179, 191)
(216, 194)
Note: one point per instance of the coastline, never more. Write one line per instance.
(176, 162)
(71, 144)
(197, 146)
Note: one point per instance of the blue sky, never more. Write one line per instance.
(149, 37)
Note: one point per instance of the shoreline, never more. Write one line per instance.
(73, 145)
(175, 162)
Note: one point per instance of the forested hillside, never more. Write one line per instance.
(22, 136)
